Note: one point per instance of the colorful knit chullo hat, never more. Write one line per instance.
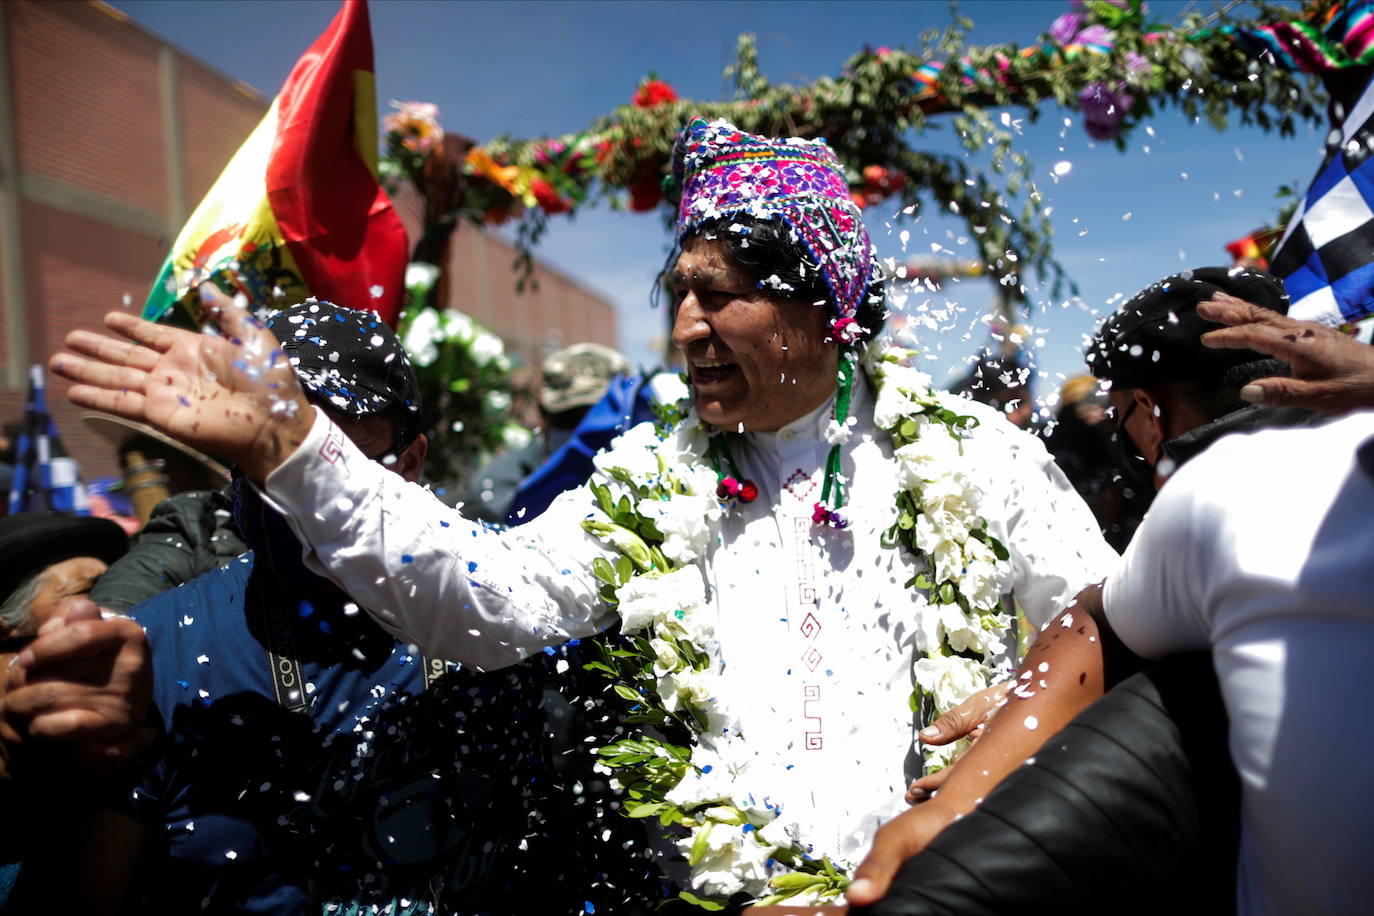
(723, 172)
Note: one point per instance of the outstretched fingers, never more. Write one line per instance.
(157, 337)
(111, 350)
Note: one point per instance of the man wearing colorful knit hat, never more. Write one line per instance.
(815, 552)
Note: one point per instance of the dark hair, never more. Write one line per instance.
(767, 248)
(1217, 394)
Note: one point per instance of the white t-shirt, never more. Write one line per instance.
(816, 628)
(1262, 550)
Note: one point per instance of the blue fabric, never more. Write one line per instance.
(627, 402)
(34, 486)
(379, 789)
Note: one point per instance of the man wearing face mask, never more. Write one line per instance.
(308, 761)
(1173, 396)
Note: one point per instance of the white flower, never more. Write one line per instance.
(838, 434)
(712, 780)
(666, 657)
(421, 338)
(686, 686)
(934, 454)
(676, 598)
(487, 347)
(498, 401)
(459, 327)
(733, 860)
(984, 579)
(952, 505)
(669, 388)
(683, 521)
(419, 273)
(949, 679)
(515, 436)
(633, 452)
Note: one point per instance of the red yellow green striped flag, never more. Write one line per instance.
(298, 211)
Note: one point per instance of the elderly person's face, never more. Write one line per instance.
(61, 582)
(752, 358)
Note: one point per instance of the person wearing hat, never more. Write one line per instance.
(782, 489)
(571, 381)
(419, 777)
(1172, 395)
(46, 559)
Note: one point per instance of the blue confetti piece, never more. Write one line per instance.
(182, 399)
(305, 608)
(183, 685)
(548, 650)
(829, 673)
(472, 566)
(708, 768)
(325, 628)
(588, 906)
(406, 558)
(574, 642)
(748, 828)
(443, 524)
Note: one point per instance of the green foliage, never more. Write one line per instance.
(876, 109)
(465, 389)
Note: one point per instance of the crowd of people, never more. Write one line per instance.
(326, 690)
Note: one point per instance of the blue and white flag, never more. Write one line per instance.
(45, 479)
(1326, 256)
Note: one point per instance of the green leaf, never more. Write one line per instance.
(946, 594)
(794, 880)
(602, 570)
(704, 902)
(649, 810)
(624, 569)
(603, 498)
(627, 693)
(698, 846)
(599, 666)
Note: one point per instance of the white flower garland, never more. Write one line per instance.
(662, 515)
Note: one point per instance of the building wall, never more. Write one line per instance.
(109, 137)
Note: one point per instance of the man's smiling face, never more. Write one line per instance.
(753, 358)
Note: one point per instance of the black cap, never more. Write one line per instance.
(33, 541)
(350, 362)
(1157, 335)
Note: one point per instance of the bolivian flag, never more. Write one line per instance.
(298, 211)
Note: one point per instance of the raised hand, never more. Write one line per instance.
(232, 394)
(1332, 372)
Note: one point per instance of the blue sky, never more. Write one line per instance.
(1122, 220)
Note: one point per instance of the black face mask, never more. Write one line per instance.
(1136, 471)
(274, 544)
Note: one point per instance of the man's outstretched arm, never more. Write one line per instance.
(429, 576)
(1061, 675)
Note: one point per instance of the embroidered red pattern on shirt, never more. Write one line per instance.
(331, 449)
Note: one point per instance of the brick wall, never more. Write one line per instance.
(216, 116)
(80, 269)
(86, 104)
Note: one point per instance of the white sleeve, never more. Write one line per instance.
(1154, 600)
(458, 589)
(1055, 544)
